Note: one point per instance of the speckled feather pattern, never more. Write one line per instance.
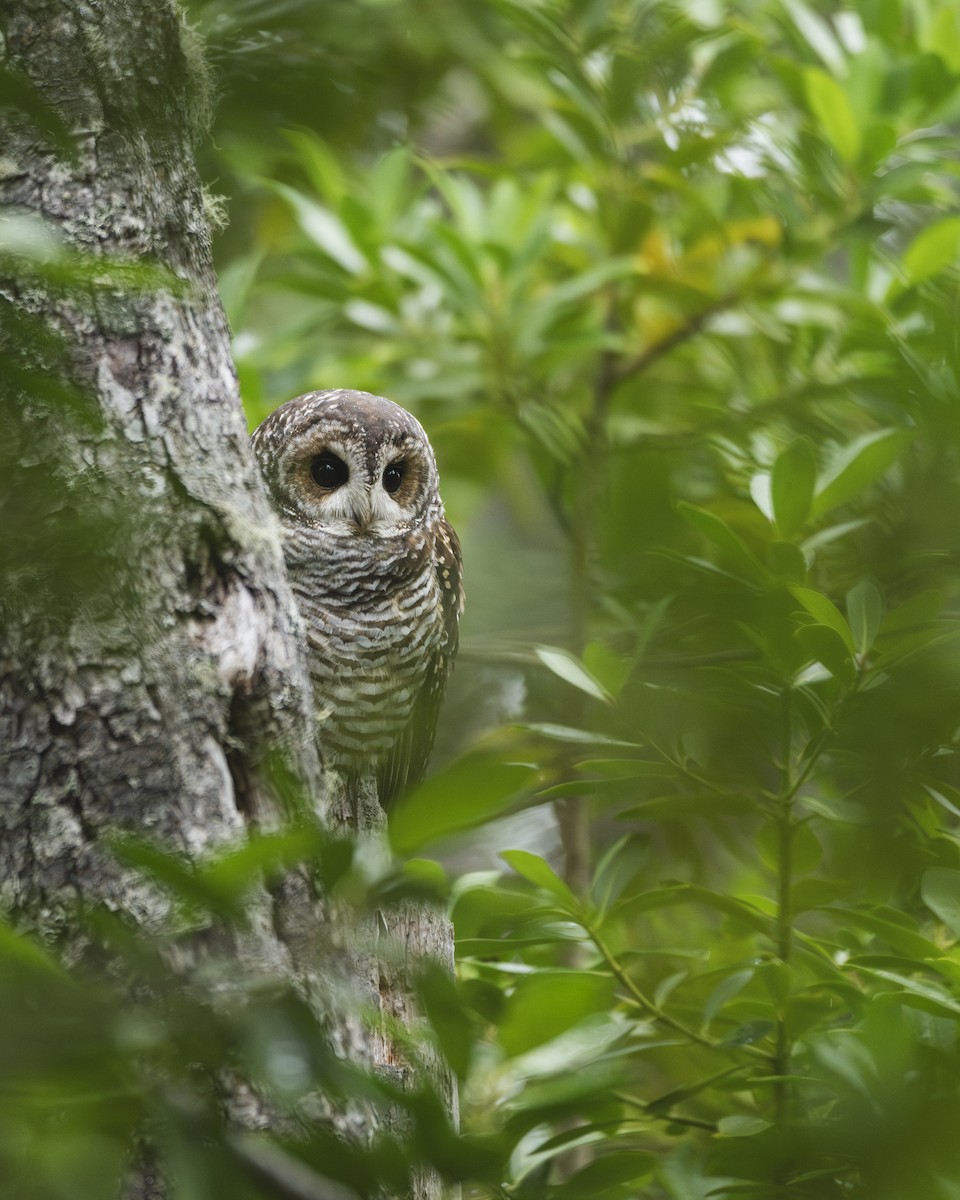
(377, 578)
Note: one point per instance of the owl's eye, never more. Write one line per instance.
(328, 471)
(393, 477)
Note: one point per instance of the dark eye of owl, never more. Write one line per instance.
(328, 471)
(393, 477)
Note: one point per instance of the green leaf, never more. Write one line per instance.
(888, 925)
(441, 1002)
(829, 104)
(825, 612)
(785, 561)
(547, 1003)
(618, 866)
(864, 612)
(608, 1171)
(627, 768)
(738, 1126)
(264, 854)
(17, 92)
(818, 34)
(806, 850)
(817, 893)
(566, 733)
(324, 228)
(609, 669)
(934, 248)
(824, 647)
(791, 486)
(687, 893)
(569, 668)
(940, 889)
(578, 286)
(760, 491)
(21, 957)
(537, 870)
(722, 536)
(468, 792)
(724, 991)
(665, 1101)
(682, 807)
(190, 885)
(939, 34)
(857, 466)
(917, 992)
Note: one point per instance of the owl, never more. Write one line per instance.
(376, 572)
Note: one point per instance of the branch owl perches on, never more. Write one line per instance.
(376, 571)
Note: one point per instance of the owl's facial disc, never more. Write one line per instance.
(350, 494)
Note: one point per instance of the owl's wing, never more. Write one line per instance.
(407, 762)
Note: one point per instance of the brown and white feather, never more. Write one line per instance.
(377, 575)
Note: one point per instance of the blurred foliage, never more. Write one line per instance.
(68, 530)
(673, 287)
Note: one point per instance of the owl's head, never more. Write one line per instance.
(350, 464)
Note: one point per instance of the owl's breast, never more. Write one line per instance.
(369, 655)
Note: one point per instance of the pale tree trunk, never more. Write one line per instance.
(144, 683)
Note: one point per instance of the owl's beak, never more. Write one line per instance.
(363, 514)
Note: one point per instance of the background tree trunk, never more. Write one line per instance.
(150, 650)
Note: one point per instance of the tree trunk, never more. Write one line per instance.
(150, 651)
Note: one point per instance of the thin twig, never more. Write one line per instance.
(654, 1011)
(669, 1117)
(683, 333)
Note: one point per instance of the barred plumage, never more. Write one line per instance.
(376, 571)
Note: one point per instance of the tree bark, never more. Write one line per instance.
(150, 650)
(143, 699)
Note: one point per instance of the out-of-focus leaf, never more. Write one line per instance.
(864, 612)
(184, 881)
(737, 1126)
(817, 893)
(468, 792)
(829, 104)
(818, 34)
(857, 466)
(725, 991)
(919, 993)
(569, 668)
(24, 956)
(324, 228)
(610, 670)
(805, 848)
(939, 33)
(685, 893)
(546, 1003)
(791, 486)
(682, 807)
(446, 1014)
(720, 533)
(608, 1174)
(825, 612)
(19, 93)
(626, 768)
(903, 937)
(535, 869)
(940, 889)
(934, 248)
(566, 733)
